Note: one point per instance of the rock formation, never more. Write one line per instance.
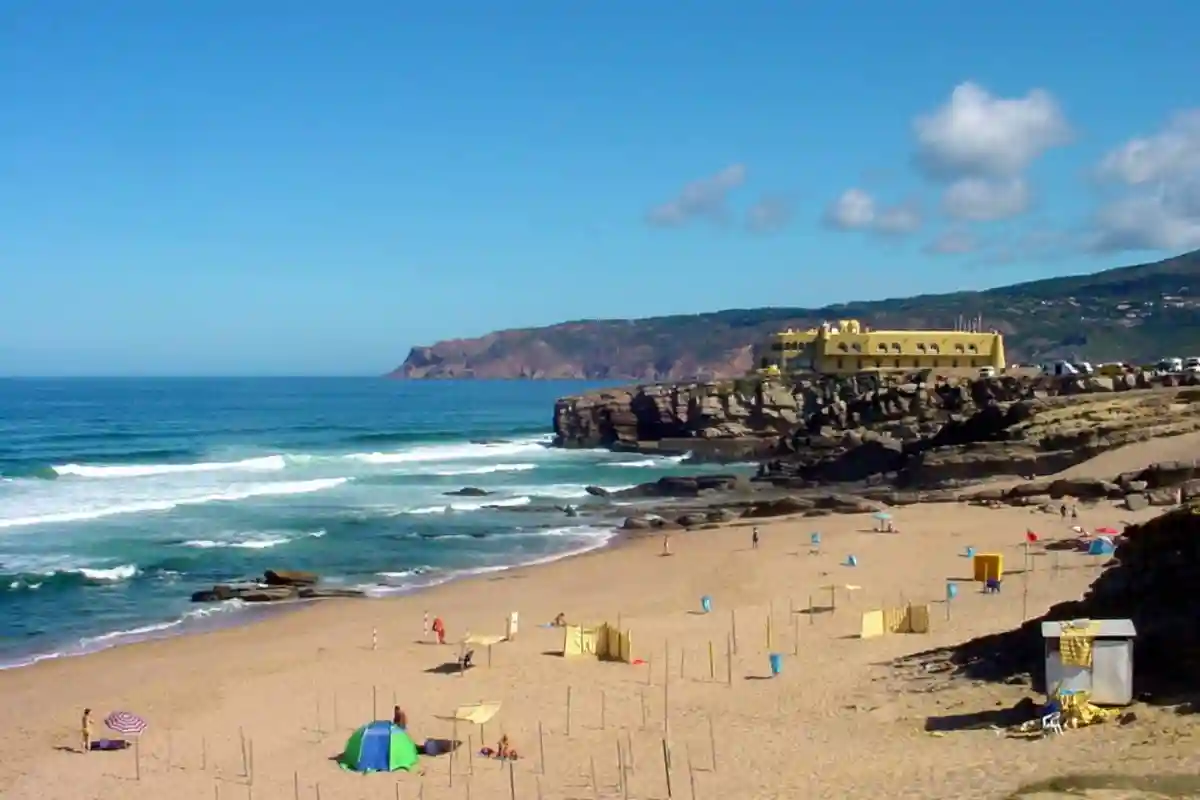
(275, 586)
(914, 430)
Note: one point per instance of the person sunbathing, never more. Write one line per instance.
(504, 750)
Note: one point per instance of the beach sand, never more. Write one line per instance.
(838, 722)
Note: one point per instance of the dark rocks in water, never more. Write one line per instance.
(597, 491)
(468, 491)
(289, 578)
(276, 586)
(689, 486)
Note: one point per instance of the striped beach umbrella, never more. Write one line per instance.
(125, 723)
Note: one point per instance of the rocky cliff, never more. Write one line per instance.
(912, 431)
(1132, 313)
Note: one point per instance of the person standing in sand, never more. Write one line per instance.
(754, 539)
(85, 730)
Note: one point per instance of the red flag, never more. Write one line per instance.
(1030, 536)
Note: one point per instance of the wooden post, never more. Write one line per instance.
(733, 628)
(622, 777)
(682, 663)
(667, 766)
(453, 750)
(320, 735)
(595, 784)
(832, 598)
(642, 697)
(137, 757)
(795, 635)
(245, 757)
(541, 748)
(770, 638)
(217, 790)
(568, 711)
(470, 757)
(812, 617)
(667, 661)
(251, 775)
(203, 753)
(729, 661)
(691, 772)
(650, 670)
(170, 749)
(1024, 596)
(296, 787)
(666, 709)
(512, 782)
(374, 703)
(712, 666)
(712, 744)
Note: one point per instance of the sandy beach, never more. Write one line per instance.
(838, 721)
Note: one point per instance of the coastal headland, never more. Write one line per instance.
(262, 710)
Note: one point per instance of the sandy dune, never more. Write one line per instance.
(838, 722)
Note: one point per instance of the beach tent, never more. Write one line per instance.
(1101, 547)
(379, 747)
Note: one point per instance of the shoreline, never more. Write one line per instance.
(207, 618)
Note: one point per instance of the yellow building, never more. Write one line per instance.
(848, 347)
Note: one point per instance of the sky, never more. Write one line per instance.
(264, 187)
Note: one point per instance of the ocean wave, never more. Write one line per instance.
(591, 538)
(260, 541)
(488, 470)
(417, 437)
(280, 488)
(68, 577)
(471, 505)
(260, 464)
(658, 461)
(453, 452)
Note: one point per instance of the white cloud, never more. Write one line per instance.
(1173, 151)
(1161, 175)
(953, 242)
(705, 198)
(977, 134)
(986, 200)
(856, 209)
(769, 214)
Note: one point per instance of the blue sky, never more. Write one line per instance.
(269, 187)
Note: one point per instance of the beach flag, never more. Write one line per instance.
(1030, 536)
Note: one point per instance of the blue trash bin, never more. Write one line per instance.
(951, 591)
(776, 663)
(970, 552)
(706, 603)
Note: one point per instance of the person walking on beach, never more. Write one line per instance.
(754, 539)
(85, 730)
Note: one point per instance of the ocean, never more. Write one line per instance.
(120, 497)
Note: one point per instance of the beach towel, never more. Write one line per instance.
(1075, 644)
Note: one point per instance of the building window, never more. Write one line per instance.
(973, 348)
(897, 363)
(881, 347)
(958, 348)
(933, 348)
(895, 347)
(842, 347)
(857, 347)
(878, 364)
(954, 363)
(920, 348)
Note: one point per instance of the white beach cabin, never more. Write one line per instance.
(1108, 678)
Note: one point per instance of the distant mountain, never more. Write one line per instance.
(1138, 313)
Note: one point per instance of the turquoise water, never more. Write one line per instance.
(119, 498)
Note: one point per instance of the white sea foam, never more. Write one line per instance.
(259, 541)
(658, 461)
(452, 452)
(110, 508)
(263, 464)
(470, 505)
(488, 470)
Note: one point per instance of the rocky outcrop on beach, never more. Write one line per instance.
(908, 430)
(697, 501)
(274, 586)
(1149, 580)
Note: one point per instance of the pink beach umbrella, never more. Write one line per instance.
(125, 723)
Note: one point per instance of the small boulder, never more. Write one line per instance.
(1136, 501)
(597, 491)
(289, 578)
(468, 491)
